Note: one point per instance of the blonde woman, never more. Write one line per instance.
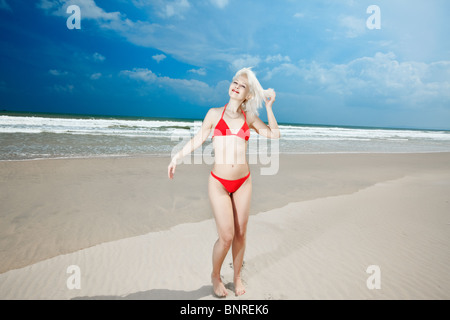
(230, 183)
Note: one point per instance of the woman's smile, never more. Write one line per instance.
(239, 88)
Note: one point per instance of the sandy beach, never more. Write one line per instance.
(317, 227)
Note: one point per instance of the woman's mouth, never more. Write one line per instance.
(235, 91)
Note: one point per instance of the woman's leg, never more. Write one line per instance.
(241, 209)
(223, 215)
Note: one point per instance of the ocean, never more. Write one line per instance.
(44, 136)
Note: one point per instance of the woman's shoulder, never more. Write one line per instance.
(213, 114)
(215, 111)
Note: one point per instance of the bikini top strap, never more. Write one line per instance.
(223, 112)
(245, 117)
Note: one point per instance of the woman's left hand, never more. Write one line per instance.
(171, 169)
(269, 98)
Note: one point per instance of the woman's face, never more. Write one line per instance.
(239, 89)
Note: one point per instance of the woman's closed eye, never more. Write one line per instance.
(240, 85)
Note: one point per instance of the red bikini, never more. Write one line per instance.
(231, 185)
(222, 129)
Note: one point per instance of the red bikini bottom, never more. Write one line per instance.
(231, 185)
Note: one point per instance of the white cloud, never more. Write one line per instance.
(285, 70)
(378, 90)
(277, 58)
(142, 33)
(89, 9)
(244, 61)
(47, 4)
(380, 79)
(90, 57)
(175, 8)
(159, 57)
(57, 73)
(201, 71)
(204, 44)
(164, 8)
(187, 41)
(141, 74)
(95, 76)
(192, 89)
(98, 57)
(220, 3)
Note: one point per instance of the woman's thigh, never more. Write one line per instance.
(222, 208)
(241, 200)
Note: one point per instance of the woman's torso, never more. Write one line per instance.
(230, 146)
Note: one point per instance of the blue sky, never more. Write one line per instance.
(175, 58)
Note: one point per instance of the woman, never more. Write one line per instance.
(230, 183)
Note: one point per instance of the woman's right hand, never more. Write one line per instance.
(269, 97)
(171, 168)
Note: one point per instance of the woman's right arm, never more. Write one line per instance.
(195, 142)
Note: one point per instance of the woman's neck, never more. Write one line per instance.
(234, 105)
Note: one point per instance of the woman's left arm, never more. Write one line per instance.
(270, 131)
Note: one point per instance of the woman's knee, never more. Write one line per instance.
(240, 235)
(226, 239)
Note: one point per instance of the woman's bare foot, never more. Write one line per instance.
(218, 286)
(239, 287)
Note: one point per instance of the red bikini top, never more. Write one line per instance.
(222, 128)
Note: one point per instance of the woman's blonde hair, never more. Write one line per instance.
(256, 90)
